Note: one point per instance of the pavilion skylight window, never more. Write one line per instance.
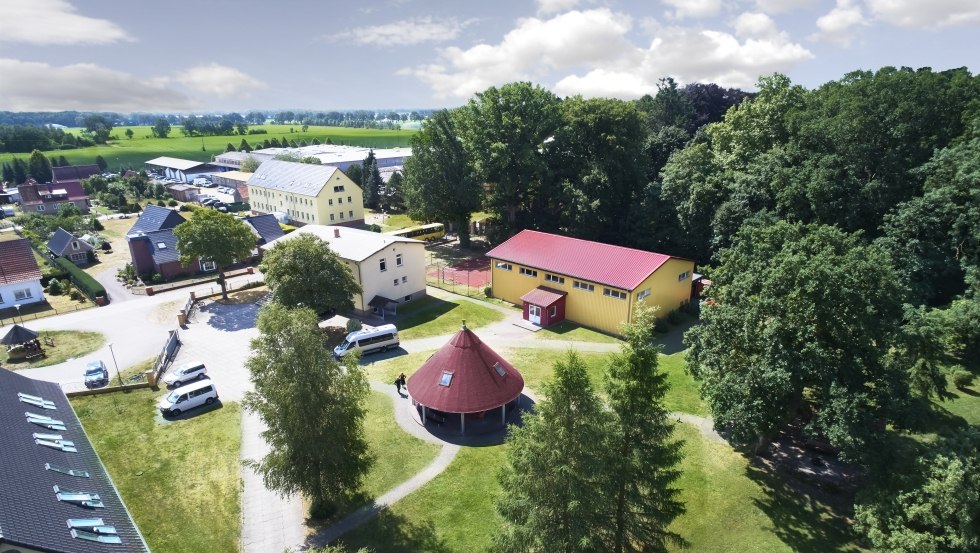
(161, 245)
(93, 536)
(85, 499)
(446, 379)
(70, 472)
(46, 422)
(500, 369)
(54, 441)
(36, 401)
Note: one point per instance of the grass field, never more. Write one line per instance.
(126, 153)
(432, 316)
(68, 344)
(180, 479)
(567, 330)
(398, 455)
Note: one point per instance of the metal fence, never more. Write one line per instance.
(470, 283)
(19, 319)
(166, 355)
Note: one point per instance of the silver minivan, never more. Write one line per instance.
(187, 397)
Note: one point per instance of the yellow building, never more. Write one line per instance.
(593, 284)
(390, 269)
(307, 194)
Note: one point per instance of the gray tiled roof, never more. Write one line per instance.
(164, 246)
(297, 178)
(62, 238)
(155, 218)
(266, 226)
(31, 517)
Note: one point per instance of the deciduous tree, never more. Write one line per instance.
(250, 164)
(39, 167)
(440, 183)
(161, 129)
(129, 134)
(214, 236)
(305, 271)
(313, 409)
(101, 162)
(801, 314)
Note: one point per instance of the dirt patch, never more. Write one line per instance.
(252, 295)
(166, 312)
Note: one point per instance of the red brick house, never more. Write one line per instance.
(47, 198)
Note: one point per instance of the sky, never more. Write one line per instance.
(211, 55)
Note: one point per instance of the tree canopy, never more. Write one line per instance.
(307, 400)
(305, 271)
(217, 237)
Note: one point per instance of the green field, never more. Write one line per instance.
(124, 153)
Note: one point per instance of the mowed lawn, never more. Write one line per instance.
(133, 153)
(431, 316)
(180, 479)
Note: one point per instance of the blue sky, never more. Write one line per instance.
(211, 55)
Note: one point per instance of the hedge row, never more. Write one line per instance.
(82, 280)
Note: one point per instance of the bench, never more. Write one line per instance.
(48, 341)
(435, 417)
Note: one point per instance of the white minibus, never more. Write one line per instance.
(367, 340)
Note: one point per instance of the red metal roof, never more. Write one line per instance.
(606, 264)
(17, 262)
(476, 384)
(543, 296)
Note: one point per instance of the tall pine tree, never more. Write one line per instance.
(641, 498)
(553, 478)
(39, 167)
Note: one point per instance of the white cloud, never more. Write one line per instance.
(926, 14)
(218, 80)
(692, 8)
(838, 25)
(782, 6)
(588, 54)
(755, 24)
(54, 22)
(554, 6)
(33, 86)
(570, 39)
(403, 33)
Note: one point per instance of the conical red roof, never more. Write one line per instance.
(476, 383)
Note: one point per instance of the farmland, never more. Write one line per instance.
(125, 153)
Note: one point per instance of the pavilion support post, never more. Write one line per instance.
(423, 415)
(462, 422)
(503, 414)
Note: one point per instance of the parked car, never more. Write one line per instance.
(368, 340)
(187, 397)
(96, 375)
(185, 373)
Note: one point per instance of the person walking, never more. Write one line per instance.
(399, 382)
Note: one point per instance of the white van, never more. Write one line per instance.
(187, 397)
(379, 338)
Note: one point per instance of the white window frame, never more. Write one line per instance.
(529, 272)
(23, 294)
(683, 276)
(383, 264)
(206, 264)
(505, 266)
(395, 282)
(398, 260)
(579, 285)
(554, 278)
(611, 293)
(643, 294)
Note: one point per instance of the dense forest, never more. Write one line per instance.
(840, 227)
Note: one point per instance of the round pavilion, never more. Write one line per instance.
(465, 377)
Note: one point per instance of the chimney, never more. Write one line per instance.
(336, 233)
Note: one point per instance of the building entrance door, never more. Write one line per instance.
(534, 314)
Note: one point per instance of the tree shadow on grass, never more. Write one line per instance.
(802, 518)
(393, 533)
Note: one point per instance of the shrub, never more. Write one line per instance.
(185, 208)
(962, 379)
(660, 326)
(54, 287)
(97, 224)
(172, 203)
(674, 318)
(76, 295)
(82, 280)
(374, 228)
(160, 203)
(488, 292)
(157, 278)
(353, 325)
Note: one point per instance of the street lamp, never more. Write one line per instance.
(115, 363)
(17, 307)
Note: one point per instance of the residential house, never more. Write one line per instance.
(66, 244)
(184, 170)
(183, 192)
(57, 495)
(74, 173)
(390, 269)
(20, 277)
(265, 227)
(306, 194)
(47, 198)
(153, 246)
(597, 285)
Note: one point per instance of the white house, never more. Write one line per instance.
(20, 277)
(390, 269)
